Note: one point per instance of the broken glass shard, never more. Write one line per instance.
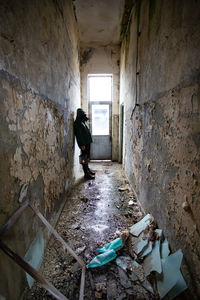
(179, 287)
(138, 243)
(153, 262)
(165, 249)
(140, 226)
(34, 255)
(147, 250)
(125, 282)
(171, 273)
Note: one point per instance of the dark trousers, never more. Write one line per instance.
(87, 153)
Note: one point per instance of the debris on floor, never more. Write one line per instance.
(104, 215)
(148, 259)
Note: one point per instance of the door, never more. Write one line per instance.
(100, 110)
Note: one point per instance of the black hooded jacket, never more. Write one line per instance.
(81, 131)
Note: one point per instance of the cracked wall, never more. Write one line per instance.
(39, 93)
(160, 88)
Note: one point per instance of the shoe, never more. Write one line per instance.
(89, 176)
(91, 172)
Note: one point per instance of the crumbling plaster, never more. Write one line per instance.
(39, 93)
(160, 73)
(102, 60)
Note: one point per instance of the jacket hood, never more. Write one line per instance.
(80, 113)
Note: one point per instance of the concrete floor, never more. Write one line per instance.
(94, 212)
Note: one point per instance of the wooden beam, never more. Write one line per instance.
(81, 296)
(58, 237)
(14, 218)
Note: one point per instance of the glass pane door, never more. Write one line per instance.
(100, 119)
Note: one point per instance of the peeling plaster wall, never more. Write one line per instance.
(159, 84)
(39, 93)
(102, 60)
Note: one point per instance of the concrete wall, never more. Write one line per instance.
(102, 60)
(39, 93)
(160, 72)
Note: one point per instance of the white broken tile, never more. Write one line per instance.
(153, 262)
(137, 270)
(23, 192)
(124, 280)
(138, 243)
(179, 287)
(147, 285)
(124, 262)
(140, 226)
(159, 232)
(164, 249)
(171, 273)
(147, 250)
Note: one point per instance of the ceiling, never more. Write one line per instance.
(99, 20)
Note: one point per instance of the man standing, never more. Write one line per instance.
(84, 139)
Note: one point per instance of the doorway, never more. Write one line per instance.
(100, 111)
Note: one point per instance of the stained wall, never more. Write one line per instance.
(159, 85)
(39, 93)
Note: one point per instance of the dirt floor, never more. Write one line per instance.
(94, 213)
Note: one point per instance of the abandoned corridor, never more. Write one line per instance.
(53, 55)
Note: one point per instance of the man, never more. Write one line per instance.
(84, 139)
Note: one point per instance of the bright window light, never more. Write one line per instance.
(100, 87)
(100, 119)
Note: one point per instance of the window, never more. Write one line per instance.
(100, 87)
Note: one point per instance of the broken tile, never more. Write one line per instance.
(124, 280)
(147, 285)
(80, 250)
(138, 243)
(140, 226)
(171, 273)
(179, 287)
(152, 262)
(138, 270)
(158, 232)
(147, 250)
(23, 192)
(164, 249)
(124, 262)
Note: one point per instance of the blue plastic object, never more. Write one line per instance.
(102, 259)
(114, 245)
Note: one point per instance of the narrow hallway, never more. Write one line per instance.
(93, 215)
(131, 69)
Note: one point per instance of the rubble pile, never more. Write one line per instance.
(143, 263)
